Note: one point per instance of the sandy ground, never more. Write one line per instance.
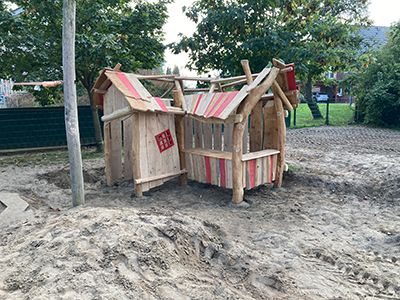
(331, 232)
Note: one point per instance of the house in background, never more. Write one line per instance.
(376, 36)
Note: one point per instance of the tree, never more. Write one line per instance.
(317, 35)
(107, 32)
(376, 87)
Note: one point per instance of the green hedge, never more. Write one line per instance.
(22, 128)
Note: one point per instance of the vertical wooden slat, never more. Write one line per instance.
(207, 135)
(197, 167)
(135, 153)
(116, 149)
(222, 170)
(207, 168)
(217, 137)
(228, 130)
(228, 164)
(214, 172)
(107, 154)
(198, 134)
(128, 167)
(189, 166)
(153, 153)
(143, 160)
(256, 124)
(274, 167)
(270, 126)
(246, 137)
(258, 178)
(188, 143)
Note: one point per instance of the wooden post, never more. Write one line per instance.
(256, 115)
(237, 138)
(71, 109)
(135, 154)
(180, 136)
(281, 127)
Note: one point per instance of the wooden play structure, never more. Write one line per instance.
(200, 134)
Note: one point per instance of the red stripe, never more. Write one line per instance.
(222, 171)
(159, 101)
(197, 104)
(271, 168)
(216, 104)
(225, 104)
(101, 99)
(291, 78)
(208, 168)
(129, 85)
(252, 173)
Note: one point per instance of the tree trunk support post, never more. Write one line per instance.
(70, 103)
(281, 128)
(180, 135)
(237, 139)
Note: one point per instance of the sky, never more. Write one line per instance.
(382, 12)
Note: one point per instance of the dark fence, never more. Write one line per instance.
(22, 128)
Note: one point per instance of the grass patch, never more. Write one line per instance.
(46, 157)
(339, 115)
(294, 168)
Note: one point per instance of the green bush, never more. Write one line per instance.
(377, 87)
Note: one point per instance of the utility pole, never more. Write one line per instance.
(71, 108)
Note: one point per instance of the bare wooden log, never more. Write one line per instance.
(168, 91)
(195, 78)
(241, 77)
(118, 114)
(282, 96)
(71, 109)
(281, 139)
(196, 90)
(245, 108)
(256, 114)
(285, 70)
(234, 83)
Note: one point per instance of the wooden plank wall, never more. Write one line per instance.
(113, 100)
(218, 171)
(152, 161)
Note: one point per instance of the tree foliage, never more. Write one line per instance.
(376, 88)
(107, 32)
(317, 35)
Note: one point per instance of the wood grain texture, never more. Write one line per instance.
(198, 134)
(228, 130)
(281, 138)
(217, 137)
(128, 164)
(207, 135)
(135, 153)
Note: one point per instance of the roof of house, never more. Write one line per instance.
(376, 35)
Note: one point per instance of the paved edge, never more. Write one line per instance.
(15, 207)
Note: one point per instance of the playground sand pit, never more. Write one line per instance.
(331, 232)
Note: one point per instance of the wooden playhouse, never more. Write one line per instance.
(200, 134)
